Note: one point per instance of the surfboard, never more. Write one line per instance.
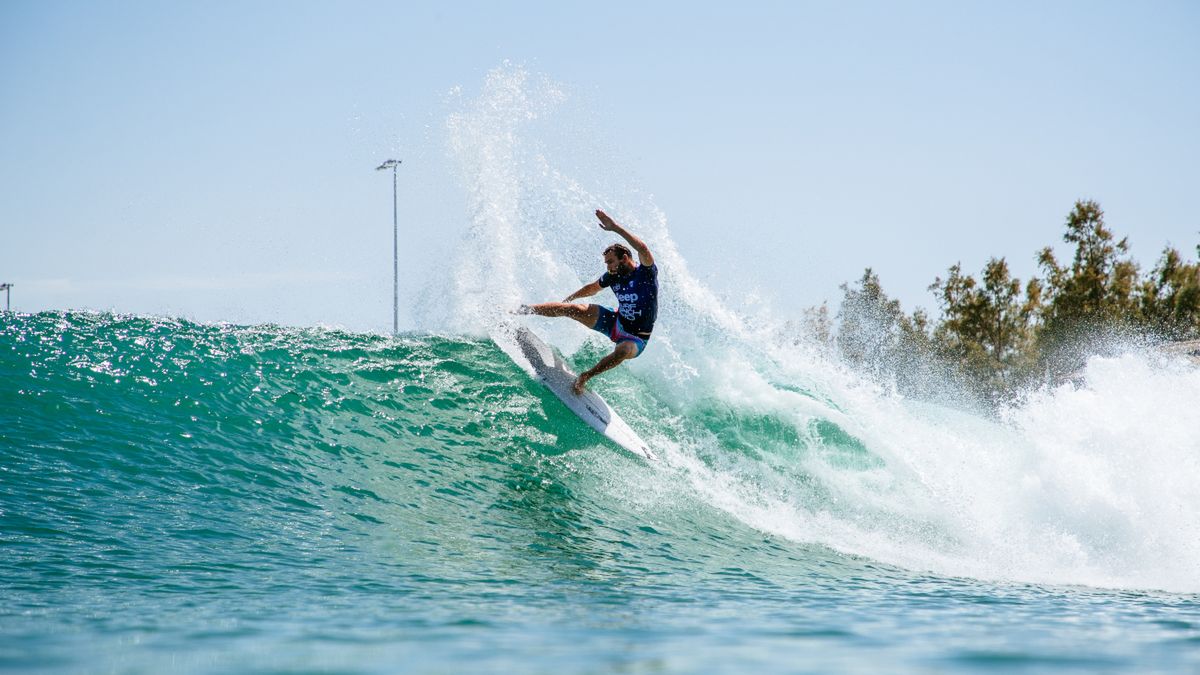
(544, 364)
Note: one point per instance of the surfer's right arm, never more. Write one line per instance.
(586, 292)
(645, 257)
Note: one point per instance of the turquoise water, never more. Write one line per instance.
(210, 498)
(186, 497)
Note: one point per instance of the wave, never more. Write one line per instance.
(154, 438)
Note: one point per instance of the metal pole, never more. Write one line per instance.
(395, 259)
(392, 164)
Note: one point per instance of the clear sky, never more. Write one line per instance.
(215, 160)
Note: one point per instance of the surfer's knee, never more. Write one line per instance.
(626, 350)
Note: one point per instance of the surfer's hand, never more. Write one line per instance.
(579, 384)
(523, 309)
(606, 223)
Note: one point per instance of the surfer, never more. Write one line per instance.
(636, 286)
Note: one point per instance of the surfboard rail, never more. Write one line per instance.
(543, 363)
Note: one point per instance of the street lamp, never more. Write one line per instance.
(392, 164)
(5, 288)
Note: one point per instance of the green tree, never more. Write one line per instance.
(994, 335)
(1096, 293)
(876, 336)
(818, 325)
(919, 369)
(869, 329)
(1170, 297)
(987, 328)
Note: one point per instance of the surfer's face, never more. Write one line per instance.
(618, 265)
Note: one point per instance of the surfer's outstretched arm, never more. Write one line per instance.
(643, 251)
(585, 292)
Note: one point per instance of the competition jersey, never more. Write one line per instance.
(637, 293)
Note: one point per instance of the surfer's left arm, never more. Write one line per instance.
(643, 251)
(585, 292)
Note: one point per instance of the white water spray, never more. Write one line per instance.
(1093, 484)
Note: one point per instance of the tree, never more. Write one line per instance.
(870, 324)
(818, 325)
(1095, 294)
(875, 335)
(1170, 297)
(994, 338)
(987, 328)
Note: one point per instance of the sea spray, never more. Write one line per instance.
(486, 144)
(783, 436)
(183, 497)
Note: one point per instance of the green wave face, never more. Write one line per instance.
(264, 498)
(146, 448)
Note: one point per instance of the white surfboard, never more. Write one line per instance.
(544, 364)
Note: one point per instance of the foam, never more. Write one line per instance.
(1083, 484)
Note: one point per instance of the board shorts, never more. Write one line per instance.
(610, 325)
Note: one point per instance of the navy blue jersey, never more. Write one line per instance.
(637, 293)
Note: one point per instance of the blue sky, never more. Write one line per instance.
(215, 160)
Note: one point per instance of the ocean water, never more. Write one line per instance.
(207, 498)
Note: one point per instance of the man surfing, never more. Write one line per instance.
(636, 288)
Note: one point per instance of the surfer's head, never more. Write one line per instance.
(618, 259)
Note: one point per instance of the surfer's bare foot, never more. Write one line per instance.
(579, 384)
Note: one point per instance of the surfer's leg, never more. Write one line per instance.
(608, 325)
(584, 314)
(623, 351)
(619, 335)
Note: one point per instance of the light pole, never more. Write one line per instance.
(5, 288)
(392, 164)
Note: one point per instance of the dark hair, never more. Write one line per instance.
(619, 251)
